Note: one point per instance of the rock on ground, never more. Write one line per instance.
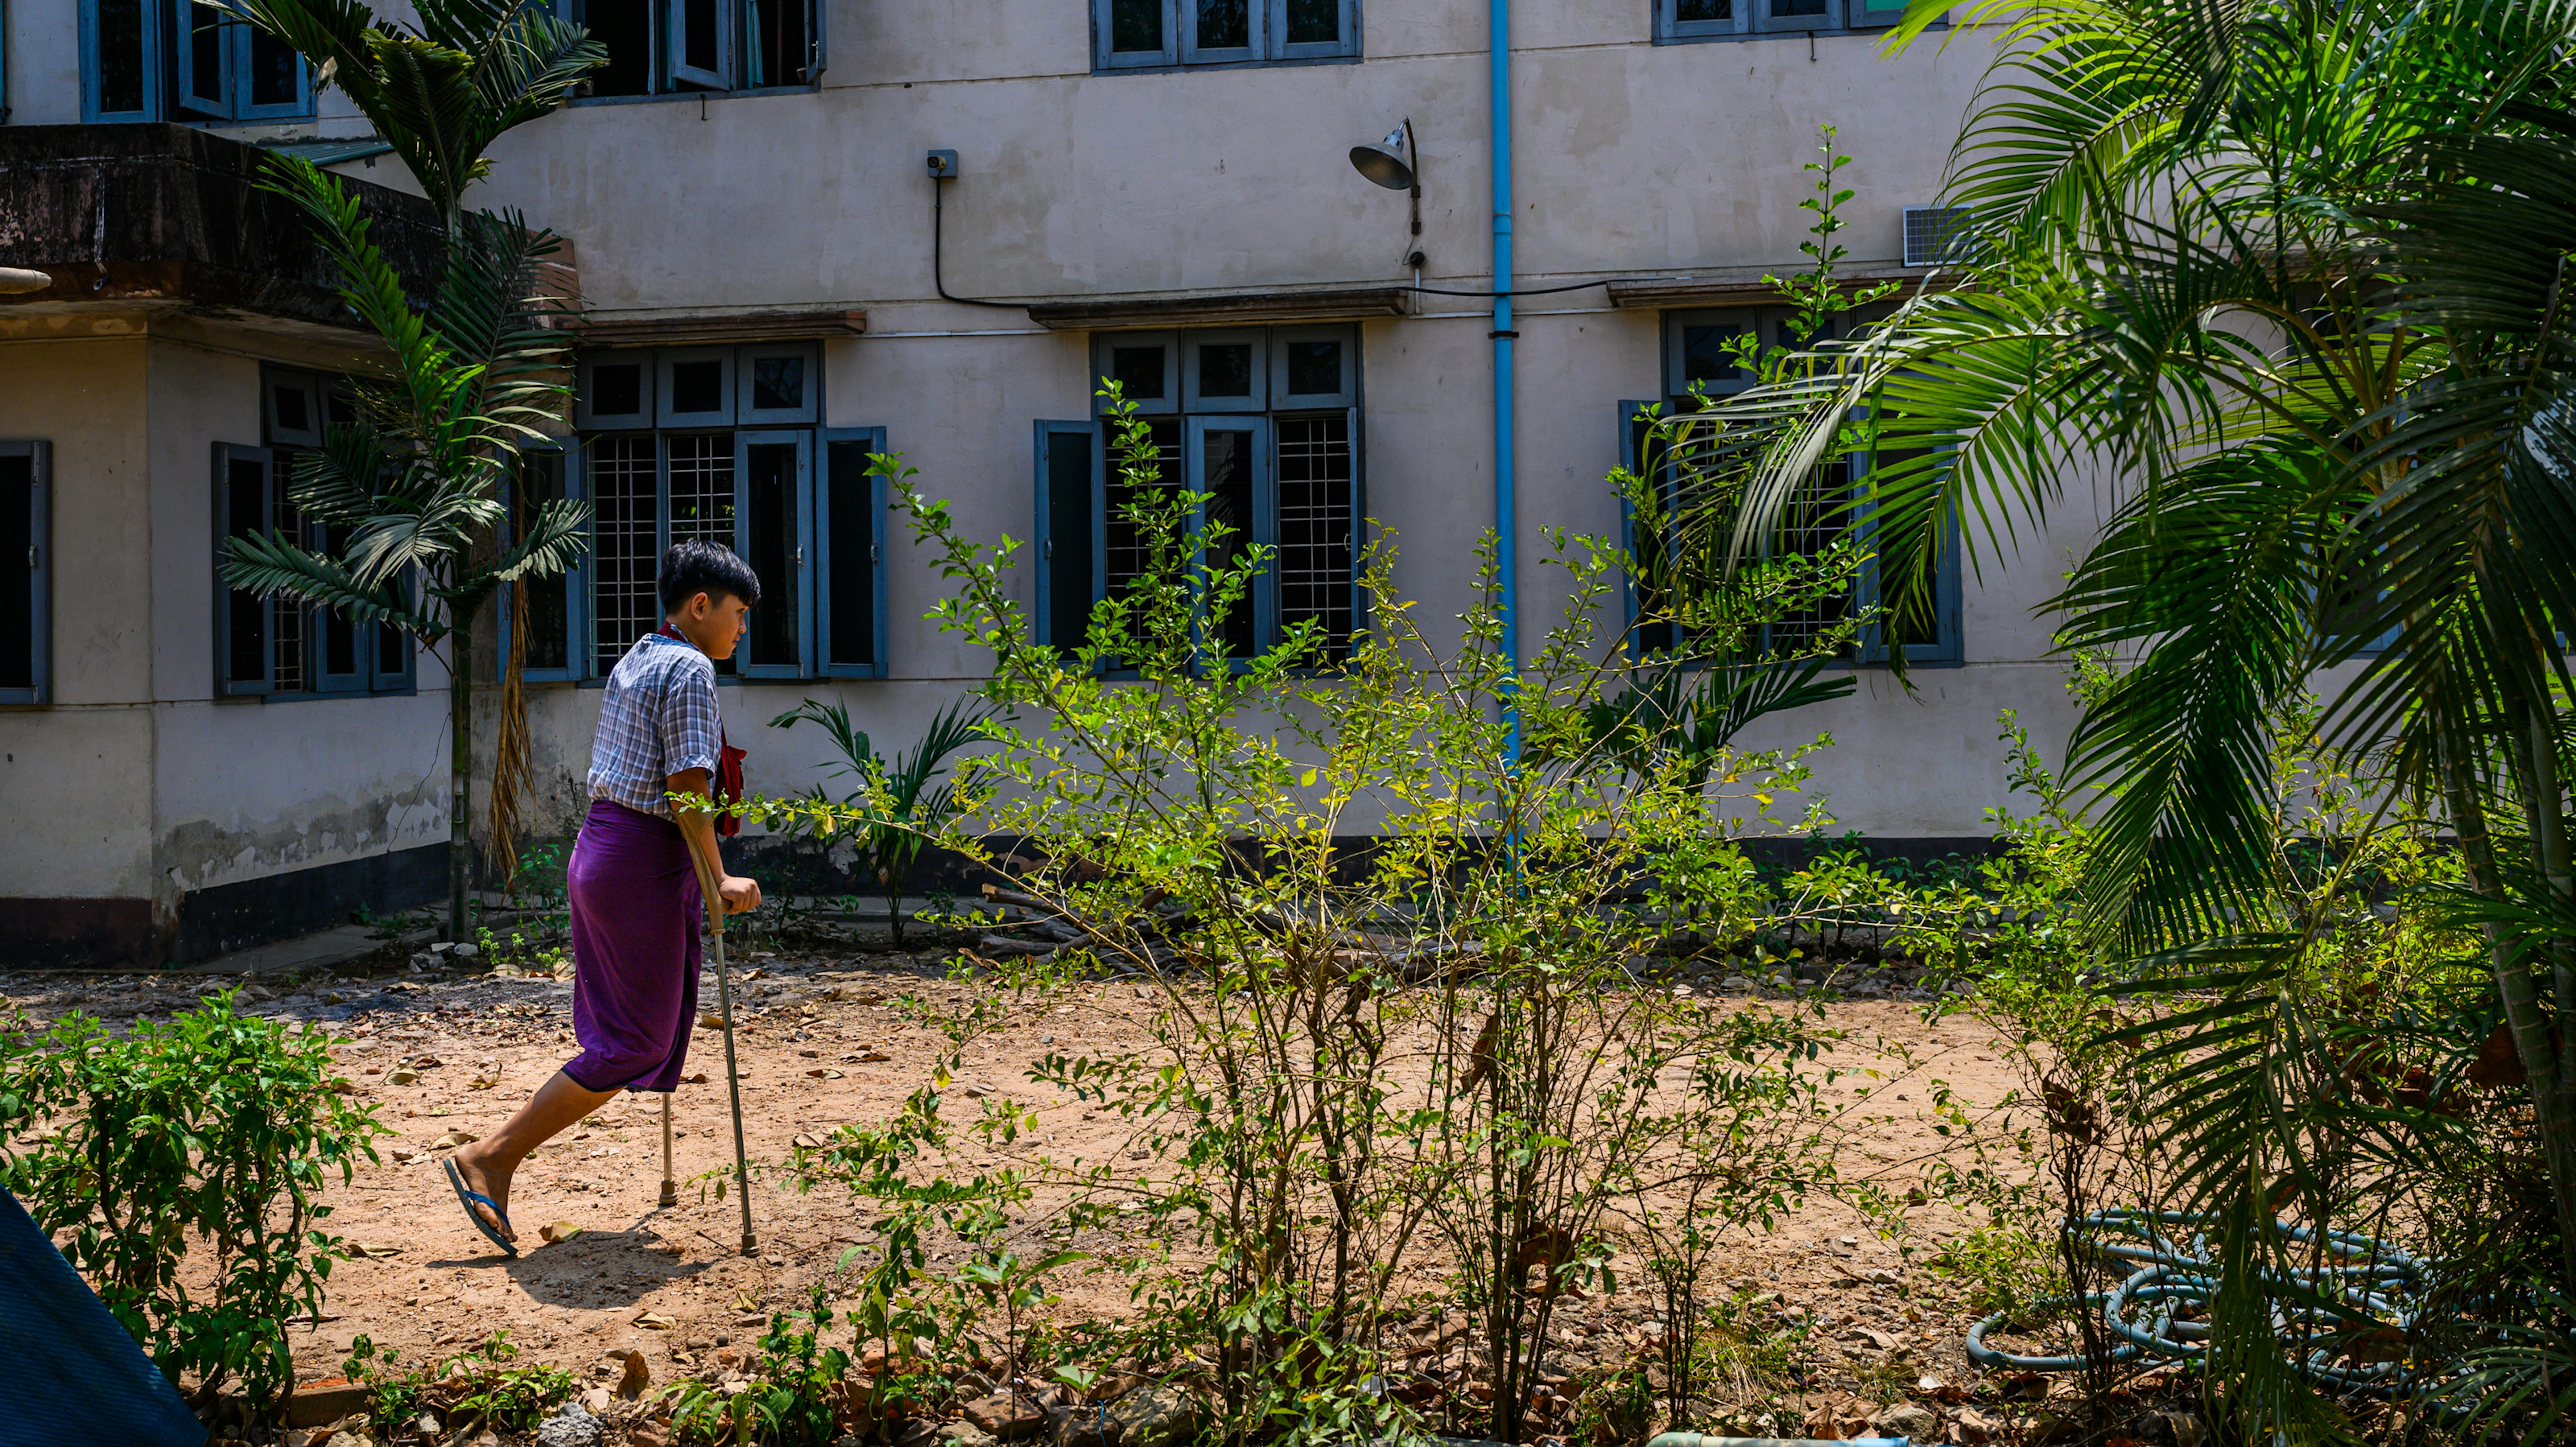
(570, 1426)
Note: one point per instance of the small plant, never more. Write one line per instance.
(2004, 1267)
(795, 1398)
(905, 809)
(395, 1394)
(214, 1132)
(512, 1399)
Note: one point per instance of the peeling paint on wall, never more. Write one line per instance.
(201, 852)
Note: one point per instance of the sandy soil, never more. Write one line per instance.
(824, 1042)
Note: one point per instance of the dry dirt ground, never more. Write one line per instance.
(824, 1042)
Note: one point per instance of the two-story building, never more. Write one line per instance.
(807, 230)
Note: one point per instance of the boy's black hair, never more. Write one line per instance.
(698, 566)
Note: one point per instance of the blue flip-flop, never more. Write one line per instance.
(470, 1199)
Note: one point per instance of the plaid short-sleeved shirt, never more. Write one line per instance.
(658, 717)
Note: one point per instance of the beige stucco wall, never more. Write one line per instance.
(136, 782)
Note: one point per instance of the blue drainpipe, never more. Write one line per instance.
(1506, 533)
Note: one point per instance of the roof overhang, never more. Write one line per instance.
(1746, 286)
(719, 324)
(1130, 313)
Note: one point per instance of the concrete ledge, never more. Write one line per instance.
(1239, 308)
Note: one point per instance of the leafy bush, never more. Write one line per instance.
(474, 1384)
(213, 1133)
(795, 1395)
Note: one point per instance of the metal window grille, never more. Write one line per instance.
(702, 488)
(1315, 525)
(1123, 542)
(1818, 516)
(624, 549)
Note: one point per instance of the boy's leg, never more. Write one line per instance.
(488, 1164)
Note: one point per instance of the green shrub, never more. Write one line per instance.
(212, 1133)
(793, 1400)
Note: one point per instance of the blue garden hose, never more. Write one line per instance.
(2150, 1313)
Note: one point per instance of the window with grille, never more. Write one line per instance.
(276, 647)
(1264, 423)
(1748, 19)
(1833, 507)
(694, 47)
(724, 444)
(1161, 34)
(154, 60)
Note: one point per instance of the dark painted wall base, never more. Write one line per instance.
(282, 906)
(74, 933)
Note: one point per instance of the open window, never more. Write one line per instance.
(850, 576)
(26, 572)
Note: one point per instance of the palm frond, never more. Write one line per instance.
(271, 567)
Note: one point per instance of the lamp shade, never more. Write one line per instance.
(1384, 162)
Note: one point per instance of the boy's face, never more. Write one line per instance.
(714, 621)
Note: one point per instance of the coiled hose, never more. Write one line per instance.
(2159, 1312)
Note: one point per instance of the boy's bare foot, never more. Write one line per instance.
(489, 1181)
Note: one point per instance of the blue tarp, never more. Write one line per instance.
(68, 1372)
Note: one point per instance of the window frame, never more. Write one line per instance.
(1347, 48)
(1870, 649)
(576, 579)
(675, 44)
(1255, 399)
(1746, 22)
(403, 676)
(1266, 28)
(93, 68)
(227, 455)
(1050, 627)
(800, 546)
(667, 79)
(40, 582)
(1271, 408)
(1104, 346)
(1261, 594)
(647, 390)
(826, 567)
(1256, 18)
(666, 409)
(806, 414)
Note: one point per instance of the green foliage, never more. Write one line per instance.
(903, 807)
(442, 90)
(474, 1384)
(212, 1134)
(795, 1394)
(1442, 1046)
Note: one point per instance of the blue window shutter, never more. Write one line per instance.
(335, 645)
(1947, 643)
(270, 82)
(773, 520)
(554, 653)
(700, 43)
(1701, 20)
(849, 543)
(245, 501)
(1230, 461)
(1359, 528)
(394, 659)
(1068, 525)
(121, 53)
(26, 571)
(201, 48)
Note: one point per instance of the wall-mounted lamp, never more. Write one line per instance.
(19, 280)
(1396, 165)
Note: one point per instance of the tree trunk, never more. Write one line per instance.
(460, 726)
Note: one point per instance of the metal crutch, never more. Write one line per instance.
(733, 1082)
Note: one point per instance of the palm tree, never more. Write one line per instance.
(2292, 273)
(416, 485)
